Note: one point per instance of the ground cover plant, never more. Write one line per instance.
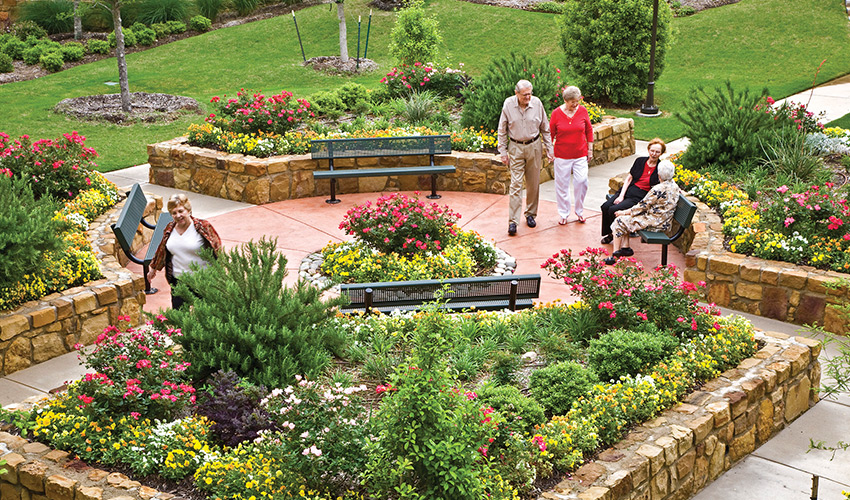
(400, 238)
(715, 43)
(434, 422)
(52, 193)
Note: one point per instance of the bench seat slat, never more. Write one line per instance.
(482, 305)
(377, 172)
(164, 219)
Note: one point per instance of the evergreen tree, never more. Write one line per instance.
(246, 320)
(27, 229)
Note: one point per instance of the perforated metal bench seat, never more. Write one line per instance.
(483, 292)
(375, 147)
(685, 211)
(377, 172)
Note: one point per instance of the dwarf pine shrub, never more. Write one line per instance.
(246, 320)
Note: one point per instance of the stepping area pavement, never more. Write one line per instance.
(781, 469)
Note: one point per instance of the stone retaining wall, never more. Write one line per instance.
(677, 454)
(769, 288)
(47, 328)
(265, 180)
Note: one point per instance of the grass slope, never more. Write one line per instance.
(755, 43)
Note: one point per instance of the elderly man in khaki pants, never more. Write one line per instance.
(523, 133)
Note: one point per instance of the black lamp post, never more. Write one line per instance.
(649, 108)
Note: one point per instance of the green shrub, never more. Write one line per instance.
(33, 54)
(607, 44)
(145, 36)
(520, 412)
(160, 11)
(627, 352)
(55, 16)
(209, 8)
(786, 153)
(485, 97)
(327, 103)
(14, 48)
(95, 46)
(161, 30)
(73, 51)
(415, 36)
(26, 29)
(245, 7)
(6, 65)
(556, 386)
(550, 7)
(27, 229)
(52, 61)
(246, 320)
(176, 27)
(200, 24)
(129, 38)
(419, 107)
(428, 434)
(724, 127)
(352, 94)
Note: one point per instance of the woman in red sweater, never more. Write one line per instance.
(572, 135)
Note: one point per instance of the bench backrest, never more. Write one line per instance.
(381, 146)
(131, 216)
(685, 211)
(403, 293)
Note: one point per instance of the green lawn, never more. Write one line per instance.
(843, 122)
(773, 43)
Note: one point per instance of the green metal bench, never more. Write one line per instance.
(125, 229)
(685, 211)
(330, 149)
(488, 293)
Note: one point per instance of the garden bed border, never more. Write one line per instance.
(43, 329)
(670, 457)
(248, 179)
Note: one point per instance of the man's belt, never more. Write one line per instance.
(528, 141)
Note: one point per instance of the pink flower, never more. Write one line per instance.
(782, 189)
(789, 221)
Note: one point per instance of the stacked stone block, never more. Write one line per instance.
(266, 180)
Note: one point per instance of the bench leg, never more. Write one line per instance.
(664, 254)
(333, 200)
(433, 195)
(368, 301)
(512, 303)
(148, 289)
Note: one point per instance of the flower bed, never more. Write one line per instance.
(401, 239)
(414, 373)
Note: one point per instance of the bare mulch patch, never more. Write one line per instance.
(146, 107)
(333, 65)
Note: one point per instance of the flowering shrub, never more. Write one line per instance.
(625, 296)
(401, 238)
(418, 77)
(256, 112)
(796, 113)
(60, 168)
(471, 139)
(400, 224)
(137, 371)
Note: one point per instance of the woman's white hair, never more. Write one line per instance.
(571, 93)
(666, 170)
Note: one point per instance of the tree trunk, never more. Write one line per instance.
(343, 34)
(122, 62)
(78, 21)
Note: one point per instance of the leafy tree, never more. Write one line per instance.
(607, 44)
(246, 320)
(416, 36)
